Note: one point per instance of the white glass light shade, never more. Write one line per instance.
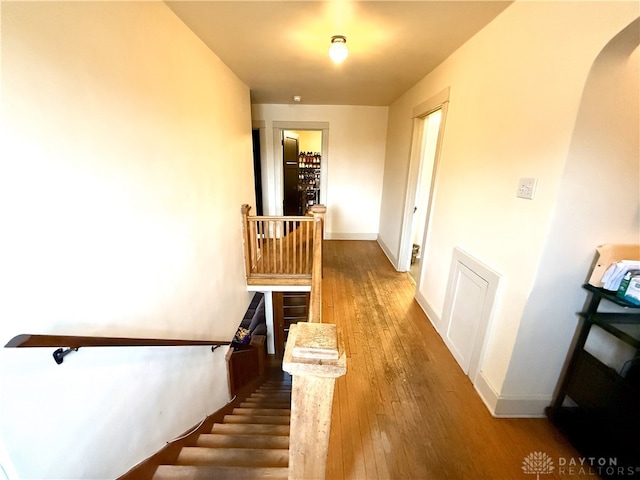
(338, 50)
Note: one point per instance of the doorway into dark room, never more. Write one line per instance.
(257, 170)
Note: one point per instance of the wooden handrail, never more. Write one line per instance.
(73, 343)
(28, 340)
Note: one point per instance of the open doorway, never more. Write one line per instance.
(273, 167)
(430, 126)
(302, 170)
(257, 170)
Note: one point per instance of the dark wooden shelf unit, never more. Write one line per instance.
(598, 407)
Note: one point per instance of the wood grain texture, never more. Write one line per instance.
(404, 409)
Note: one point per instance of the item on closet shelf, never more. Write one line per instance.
(614, 275)
(607, 255)
(630, 287)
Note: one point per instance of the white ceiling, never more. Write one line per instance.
(279, 48)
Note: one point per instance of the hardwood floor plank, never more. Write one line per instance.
(405, 409)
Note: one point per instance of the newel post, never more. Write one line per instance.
(244, 209)
(319, 212)
(315, 357)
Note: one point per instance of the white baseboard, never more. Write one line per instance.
(498, 406)
(387, 252)
(510, 407)
(428, 311)
(486, 391)
(350, 236)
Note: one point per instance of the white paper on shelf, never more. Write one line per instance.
(615, 273)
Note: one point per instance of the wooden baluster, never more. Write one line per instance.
(315, 357)
(287, 231)
(280, 246)
(293, 241)
(259, 257)
(308, 231)
(300, 250)
(252, 245)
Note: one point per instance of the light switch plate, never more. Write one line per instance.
(526, 188)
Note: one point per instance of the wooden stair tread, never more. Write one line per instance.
(233, 457)
(192, 472)
(271, 401)
(269, 398)
(262, 411)
(272, 406)
(250, 429)
(214, 440)
(258, 419)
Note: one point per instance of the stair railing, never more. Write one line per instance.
(315, 357)
(277, 250)
(67, 343)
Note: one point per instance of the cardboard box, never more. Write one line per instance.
(608, 254)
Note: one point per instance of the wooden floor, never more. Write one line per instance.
(405, 410)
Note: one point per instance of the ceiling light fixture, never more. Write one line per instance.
(338, 50)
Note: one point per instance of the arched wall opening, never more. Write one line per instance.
(597, 203)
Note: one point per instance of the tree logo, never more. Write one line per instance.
(536, 463)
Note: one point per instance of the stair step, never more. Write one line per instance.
(271, 398)
(250, 429)
(214, 440)
(277, 400)
(233, 457)
(189, 472)
(270, 391)
(270, 395)
(271, 406)
(261, 419)
(262, 411)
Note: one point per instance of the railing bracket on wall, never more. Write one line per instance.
(215, 347)
(60, 353)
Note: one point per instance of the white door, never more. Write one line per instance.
(467, 310)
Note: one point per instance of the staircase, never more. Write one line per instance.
(252, 442)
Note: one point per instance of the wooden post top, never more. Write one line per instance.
(244, 209)
(314, 349)
(318, 209)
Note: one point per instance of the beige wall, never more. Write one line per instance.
(310, 141)
(126, 155)
(515, 91)
(353, 163)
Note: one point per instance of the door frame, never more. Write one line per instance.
(278, 182)
(439, 101)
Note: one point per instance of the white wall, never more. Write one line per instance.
(598, 203)
(354, 164)
(126, 154)
(515, 90)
